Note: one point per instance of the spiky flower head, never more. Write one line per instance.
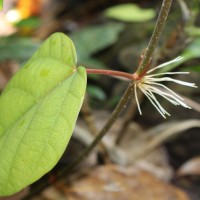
(151, 84)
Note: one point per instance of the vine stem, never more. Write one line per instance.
(166, 4)
(164, 11)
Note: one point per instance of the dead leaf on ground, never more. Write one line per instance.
(155, 161)
(117, 183)
(191, 167)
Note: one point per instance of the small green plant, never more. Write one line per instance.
(40, 105)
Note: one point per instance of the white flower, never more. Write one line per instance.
(150, 84)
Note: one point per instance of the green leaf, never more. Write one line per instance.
(96, 92)
(38, 111)
(130, 13)
(1, 4)
(193, 31)
(17, 48)
(190, 52)
(93, 39)
(29, 23)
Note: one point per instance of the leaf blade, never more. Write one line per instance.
(93, 39)
(129, 13)
(32, 143)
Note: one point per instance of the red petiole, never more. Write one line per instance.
(113, 73)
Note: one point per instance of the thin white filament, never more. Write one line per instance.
(166, 73)
(150, 86)
(165, 87)
(164, 95)
(165, 64)
(170, 97)
(154, 102)
(136, 97)
(173, 80)
(157, 102)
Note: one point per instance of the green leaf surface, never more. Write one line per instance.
(96, 92)
(38, 111)
(29, 23)
(130, 13)
(17, 48)
(193, 31)
(192, 68)
(93, 39)
(190, 52)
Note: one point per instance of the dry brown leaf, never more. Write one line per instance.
(154, 161)
(116, 183)
(191, 167)
(156, 136)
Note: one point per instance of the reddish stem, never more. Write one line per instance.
(112, 73)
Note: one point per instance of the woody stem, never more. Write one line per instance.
(164, 11)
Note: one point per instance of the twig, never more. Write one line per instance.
(165, 8)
